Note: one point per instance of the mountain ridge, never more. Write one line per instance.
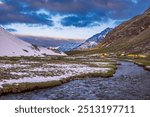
(124, 37)
(93, 41)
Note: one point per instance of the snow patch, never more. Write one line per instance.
(6, 66)
(60, 71)
(19, 73)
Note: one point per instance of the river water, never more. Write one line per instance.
(129, 82)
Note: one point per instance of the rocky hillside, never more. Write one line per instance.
(132, 36)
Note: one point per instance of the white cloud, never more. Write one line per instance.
(59, 31)
(135, 1)
(1, 2)
(42, 11)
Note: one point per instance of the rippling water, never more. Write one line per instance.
(129, 82)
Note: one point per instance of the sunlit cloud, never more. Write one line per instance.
(60, 31)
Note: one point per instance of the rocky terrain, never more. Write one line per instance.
(132, 36)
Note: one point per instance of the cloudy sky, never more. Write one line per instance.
(78, 19)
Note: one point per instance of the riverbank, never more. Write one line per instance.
(140, 62)
(143, 63)
(130, 82)
(20, 74)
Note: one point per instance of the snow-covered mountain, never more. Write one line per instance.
(93, 41)
(12, 46)
(68, 46)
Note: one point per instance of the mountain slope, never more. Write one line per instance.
(12, 46)
(93, 41)
(132, 36)
(68, 46)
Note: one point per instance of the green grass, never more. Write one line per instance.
(91, 75)
(22, 87)
(110, 66)
(143, 63)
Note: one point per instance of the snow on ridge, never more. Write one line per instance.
(94, 40)
(13, 46)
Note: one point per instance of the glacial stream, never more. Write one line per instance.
(129, 82)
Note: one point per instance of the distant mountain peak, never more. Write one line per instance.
(104, 32)
(94, 40)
